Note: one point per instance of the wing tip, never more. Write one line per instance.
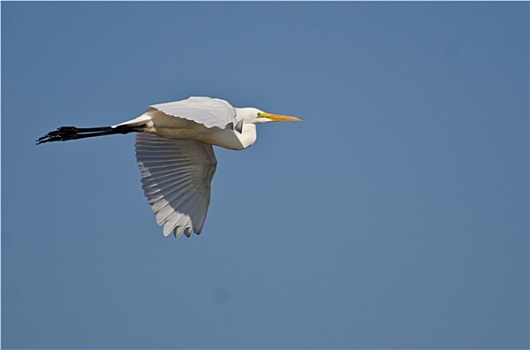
(186, 230)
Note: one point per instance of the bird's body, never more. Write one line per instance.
(175, 155)
(157, 122)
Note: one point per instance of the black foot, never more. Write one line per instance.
(63, 133)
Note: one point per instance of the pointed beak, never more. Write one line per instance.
(279, 117)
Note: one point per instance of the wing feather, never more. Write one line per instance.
(210, 112)
(166, 209)
(176, 178)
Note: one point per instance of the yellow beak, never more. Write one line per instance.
(279, 117)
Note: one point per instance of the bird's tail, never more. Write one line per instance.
(65, 133)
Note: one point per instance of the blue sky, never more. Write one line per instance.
(394, 216)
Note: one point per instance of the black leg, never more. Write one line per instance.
(66, 133)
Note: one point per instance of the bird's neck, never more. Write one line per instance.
(247, 137)
(229, 138)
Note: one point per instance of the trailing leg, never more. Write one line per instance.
(66, 133)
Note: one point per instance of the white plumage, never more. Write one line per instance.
(176, 177)
(207, 111)
(175, 155)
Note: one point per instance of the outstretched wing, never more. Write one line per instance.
(207, 111)
(176, 177)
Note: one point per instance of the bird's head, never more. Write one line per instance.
(256, 116)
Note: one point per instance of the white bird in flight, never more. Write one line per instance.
(175, 155)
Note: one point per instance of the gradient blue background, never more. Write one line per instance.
(394, 216)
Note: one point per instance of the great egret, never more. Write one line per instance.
(175, 155)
